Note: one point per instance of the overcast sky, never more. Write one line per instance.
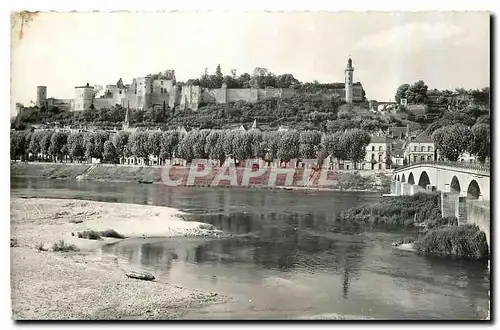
(60, 51)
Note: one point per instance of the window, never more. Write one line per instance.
(161, 81)
(429, 149)
(373, 156)
(379, 166)
(415, 148)
(414, 159)
(379, 158)
(120, 91)
(422, 148)
(422, 157)
(380, 148)
(373, 148)
(429, 157)
(161, 90)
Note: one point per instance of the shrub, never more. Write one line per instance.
(90, 234)
(40, 247)
(61, 246)
(402, 211)
(111, 233)
(465, 241)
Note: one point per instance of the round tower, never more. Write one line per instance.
(349, 72)
(41, 96)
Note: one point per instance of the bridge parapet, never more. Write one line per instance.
(477, 167)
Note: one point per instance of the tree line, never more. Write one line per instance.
(453, 140)
(217, 145)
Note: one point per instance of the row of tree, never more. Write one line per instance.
(195, 144)
(453, 140)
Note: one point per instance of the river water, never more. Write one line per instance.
(287, 256)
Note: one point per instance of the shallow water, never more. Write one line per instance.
(287, 257)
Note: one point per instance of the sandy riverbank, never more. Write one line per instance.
(86, 284)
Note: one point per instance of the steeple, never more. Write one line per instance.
(254, 125)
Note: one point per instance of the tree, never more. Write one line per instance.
(186, 143)
(218, 76)
(288, 147)
(58, 143)
(138, 145)
(214, 145)
(169, 142)
(401, 93)
(199, 144)
(154, 143)
(480, 144)
(309, 142)
(452, 141)
(34, 146)
(76, 145)
(262, 78)
(45, 143)
(244, 80)
(109, 153)
(120, 141)
(417, 93)
(286, 80)
(357, 141)
(242, 147)
(98, 91)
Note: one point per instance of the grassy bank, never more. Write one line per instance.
(350, 181)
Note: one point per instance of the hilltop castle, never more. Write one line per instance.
(162, 90)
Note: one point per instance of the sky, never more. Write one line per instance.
(63, 50)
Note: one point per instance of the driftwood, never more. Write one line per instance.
(140, 276)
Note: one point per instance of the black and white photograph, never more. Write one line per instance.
(250, 165)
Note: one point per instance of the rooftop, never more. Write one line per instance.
(423, 137)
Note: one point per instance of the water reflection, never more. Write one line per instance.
(287, 253)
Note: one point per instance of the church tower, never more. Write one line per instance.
(349, 71)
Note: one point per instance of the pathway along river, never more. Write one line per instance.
(287, 257)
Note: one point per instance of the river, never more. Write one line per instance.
(287, 256)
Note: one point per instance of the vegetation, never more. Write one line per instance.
(195, 144)
(452, 141)
(41, 247)
(89, 234)
(62, 246)
(396, 211)
(111, 233)
(97, 235)
(465, 241)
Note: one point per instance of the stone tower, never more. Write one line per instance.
(41, 96)
(349, 71)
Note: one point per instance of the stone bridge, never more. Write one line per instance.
(464, 188)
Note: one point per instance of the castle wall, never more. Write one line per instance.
(158, 99)
(248, 95)
(191, 96)
(174, 97)
(102, 103)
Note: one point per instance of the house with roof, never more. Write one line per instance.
(420, 148)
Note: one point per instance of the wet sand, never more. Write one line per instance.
(87, 284)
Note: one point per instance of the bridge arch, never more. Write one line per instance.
(403, 179)
(424, 180)
(473, 190)
(455, 185)
(411, 179)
